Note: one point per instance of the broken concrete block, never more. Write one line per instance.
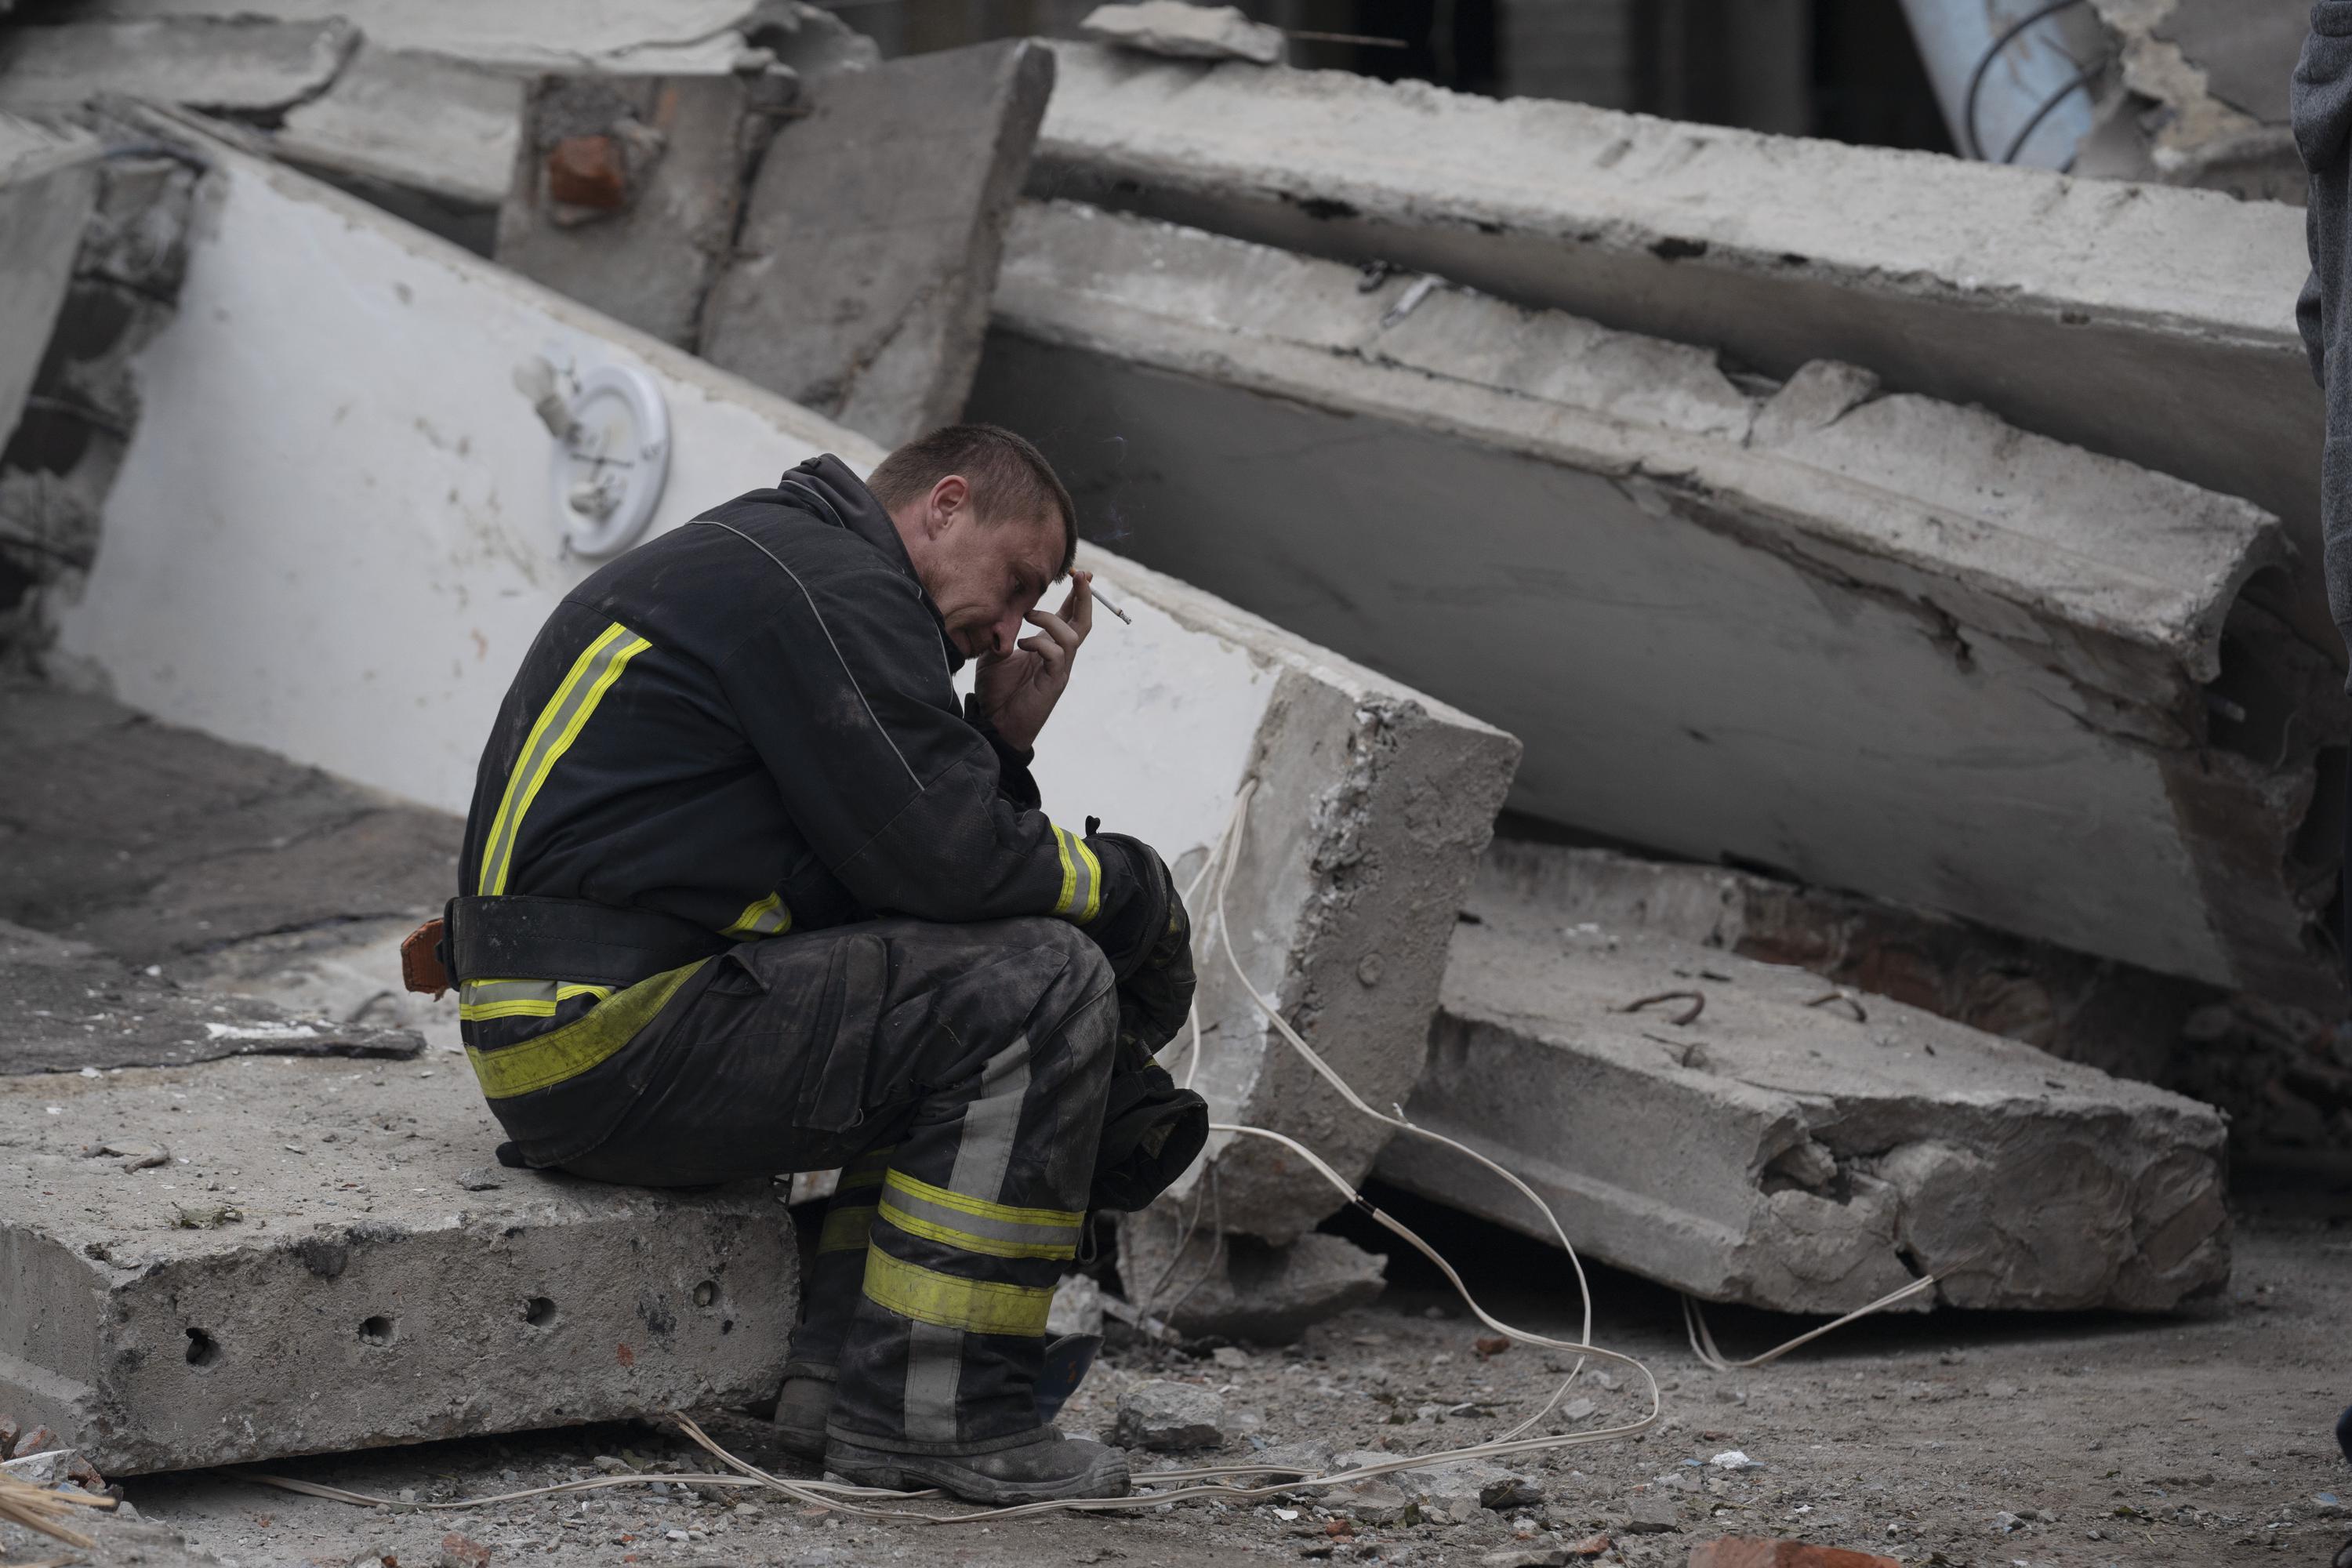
(2075, 308)
(627, 190)
(1170, 1417)
(870, 237)
(313, 1228)
(429, 138)
(2204, 99)
(1810, 632)
(1182, 31)
(2109, 1015)
(48, 189)
(1372, 801)
(1237, 1287)
(1727, 1128)
(238, 65)
(1459, 1493)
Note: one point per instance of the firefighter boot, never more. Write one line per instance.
(1049, 1467)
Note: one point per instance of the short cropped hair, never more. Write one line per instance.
(1009, 477)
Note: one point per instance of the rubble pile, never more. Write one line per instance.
(1838, 521)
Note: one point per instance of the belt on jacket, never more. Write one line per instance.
(642, 955)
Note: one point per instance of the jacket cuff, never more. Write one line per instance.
(1014, 779)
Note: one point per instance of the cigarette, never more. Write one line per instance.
(1114, 609)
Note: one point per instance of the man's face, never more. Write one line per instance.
(983, 577)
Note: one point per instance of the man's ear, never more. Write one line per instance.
(951, 501)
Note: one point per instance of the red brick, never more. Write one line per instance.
(1751, 1552)
(587, 171)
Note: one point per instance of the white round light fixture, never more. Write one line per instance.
(609, 468)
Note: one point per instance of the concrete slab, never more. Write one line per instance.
(1182, 31)
(870, 237)
(2152, 324)
(1795, 1156)
(415, 122)
(162, 845)
(682, 149)
(242, 65)
(701, 37)
(1869, 641)
(2109, 1015)
(1373, 801)
(48, 189)
(66, 1007)
(331, 1260)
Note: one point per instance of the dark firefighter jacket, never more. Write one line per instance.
(747, 723)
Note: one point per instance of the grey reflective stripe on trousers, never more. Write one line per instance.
(984, 1154)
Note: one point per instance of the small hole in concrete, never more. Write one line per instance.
(706, 1293)
(378, 1330)
(726, 1325)
(539, 1311)
(202, 1349)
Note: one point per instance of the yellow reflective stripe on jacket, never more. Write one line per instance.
(763, 917)
(844, 1230)
(916, 1209)
(866, 1171)
(482, 1000)
(569, 1051)
(576, 695)
(1081, 897)
(976, 1306)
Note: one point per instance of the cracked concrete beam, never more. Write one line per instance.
(860, 280)
(339, 1224)
(2150, 324)
(240, 65)
(1792, 1156)
(681, 150)
(1875, 641)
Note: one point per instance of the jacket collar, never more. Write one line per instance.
(826, 487)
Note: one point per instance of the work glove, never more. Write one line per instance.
(1147, 937)
(1152, 1130)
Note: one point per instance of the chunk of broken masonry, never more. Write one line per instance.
(1182, 31)
(335, 1239)
(1804, 629)
(2083, 310)
(868, 246)
(627, 190)
(1170, 1416)
(1713, 1124)
(1372, 801)
(1238, 1287)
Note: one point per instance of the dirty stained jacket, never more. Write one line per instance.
(748, 723)
(2322, 129)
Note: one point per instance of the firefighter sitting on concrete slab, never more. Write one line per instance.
(747, 889)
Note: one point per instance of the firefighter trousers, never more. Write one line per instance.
(959, 1072)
